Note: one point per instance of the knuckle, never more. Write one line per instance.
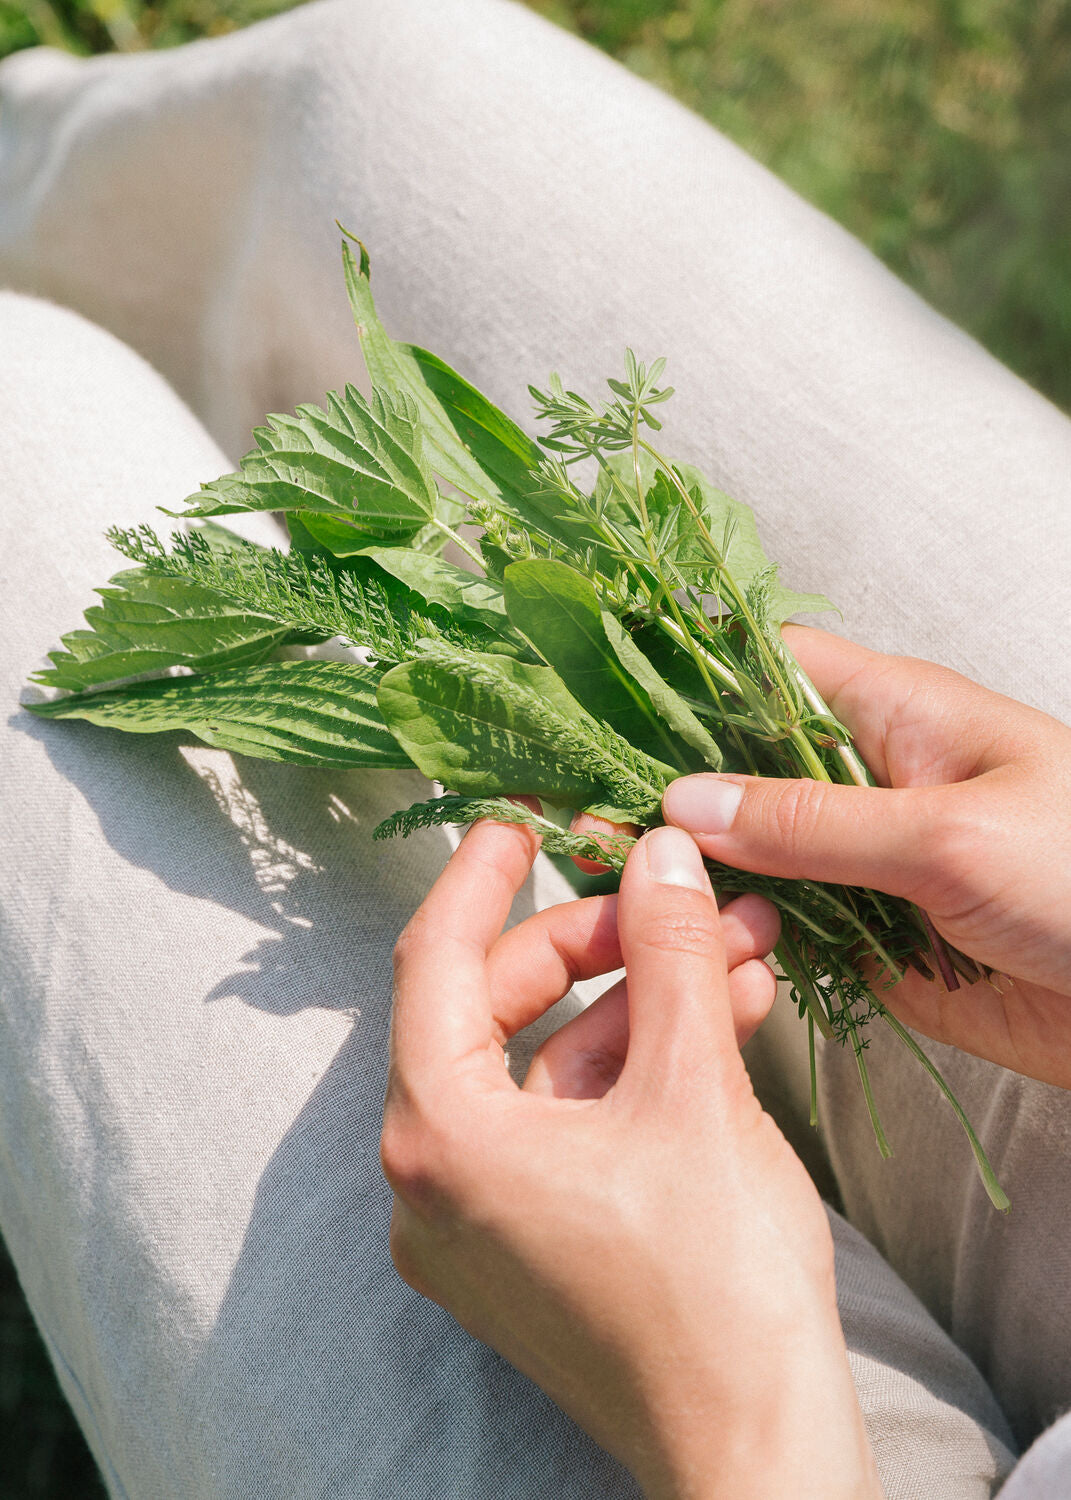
(413, 936)
(688, 927)
(956, 846)
(402, 1156)
(411, 1161)
(405, 1253)
(795, 812)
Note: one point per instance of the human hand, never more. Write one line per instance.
(975, 830)
(629, 1229)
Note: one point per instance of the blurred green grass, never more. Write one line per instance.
(936, 130)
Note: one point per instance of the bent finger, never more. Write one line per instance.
(584, 1058)
(535, 964)
(443, 1017)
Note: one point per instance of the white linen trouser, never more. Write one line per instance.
(194, 952)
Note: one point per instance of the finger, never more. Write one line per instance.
(752, 992)
(915, 723)
(584, 1058)
(599, 829)
(443, 1018)
(902, 842)
(536, 963)
(680, 1021)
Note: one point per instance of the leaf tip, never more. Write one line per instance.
(366, 263)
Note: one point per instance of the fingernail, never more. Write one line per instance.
(703, 804)
(673, 859)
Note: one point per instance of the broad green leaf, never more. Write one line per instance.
(333, 537)
(464, 595)
(322, 534)
(733, 529)
(148, 623)
(665, 699)
(487, 724)
(558, 610)
(357, 461)
(486, 736)
(312, 713)
(472, 444)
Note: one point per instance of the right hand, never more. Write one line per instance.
(972, 822)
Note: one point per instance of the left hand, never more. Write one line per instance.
(629, 1229)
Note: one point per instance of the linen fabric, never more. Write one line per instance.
(195, 951)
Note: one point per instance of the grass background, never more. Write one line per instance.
(935, 130)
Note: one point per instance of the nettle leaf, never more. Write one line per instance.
(149, 623)
(358, 461)
(734, 531)
(312, 713)
(471, 443)
(321, 534)
(558, 610)
(332, 537)
(465, 595)
(485, 724)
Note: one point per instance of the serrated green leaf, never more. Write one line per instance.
(734, 531)
(472, 444)
(332, 537)
(312, 713)
(483, 737)
(327, 535)
(558, 610)
(487, 724)
(148, 623)
(357, 461)
(467, 596)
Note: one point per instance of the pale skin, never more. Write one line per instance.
(630, 1229)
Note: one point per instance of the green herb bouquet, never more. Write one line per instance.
(598, 642)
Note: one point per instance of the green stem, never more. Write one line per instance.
(808, 754)
(796, 975)
(849, 757)
(706, 662)
(868, 1094)
(888, 962)
(997, 1195)
(740, 603)
(459, 541)
(814, 1070)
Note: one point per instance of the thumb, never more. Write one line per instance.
(680, 1023)
(890, 840)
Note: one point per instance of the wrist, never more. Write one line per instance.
(790, 1426)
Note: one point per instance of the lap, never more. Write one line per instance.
(189, 941)
(197, 993)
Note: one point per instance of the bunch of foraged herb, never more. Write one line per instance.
(597, 642)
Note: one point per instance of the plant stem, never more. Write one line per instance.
(846, 752)
(814, 1070)
(459, 541)
(795, 973)
(997, 1196)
